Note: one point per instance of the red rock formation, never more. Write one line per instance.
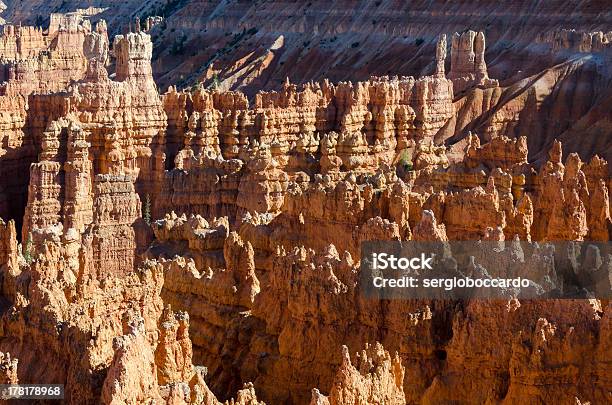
(468, 66)
(21, 42)
(345, 42)
(16, 154)
(116, 209)
(8, 246)
(573, 40)
(376, 378)
(151, 361)
(60, 183)
(138, 374)
(8, 369)
(250, 219)
(38, 62)
(376, 121)
(560, 211)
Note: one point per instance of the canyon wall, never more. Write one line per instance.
(36, 63)
(201, 245)
(301, 290)
(250, 45)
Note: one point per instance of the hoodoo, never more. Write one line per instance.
(205, 244)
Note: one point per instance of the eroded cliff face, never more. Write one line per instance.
(255, 45)
(551, 66)
(195, 245)
(37, 62)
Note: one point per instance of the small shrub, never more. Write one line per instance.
(215, 83)
(147, 210)
(354, 44)
(405, 162)
(419, 41)
(27, 253)
(179, 45)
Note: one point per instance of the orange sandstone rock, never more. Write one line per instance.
(376, 378)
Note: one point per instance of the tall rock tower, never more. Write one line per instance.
(440, 56)
(468, 66)
(78, 198)
(133, 52)
(117, 207)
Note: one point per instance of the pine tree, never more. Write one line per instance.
(27, 254)
(215, 82)
(147, 210)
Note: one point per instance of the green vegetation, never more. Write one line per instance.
(27, 253)
(215, 82)
(40, 21)
(179, 45)
(169, 8)
(147, 210)
(405, 161)
(162, 10)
